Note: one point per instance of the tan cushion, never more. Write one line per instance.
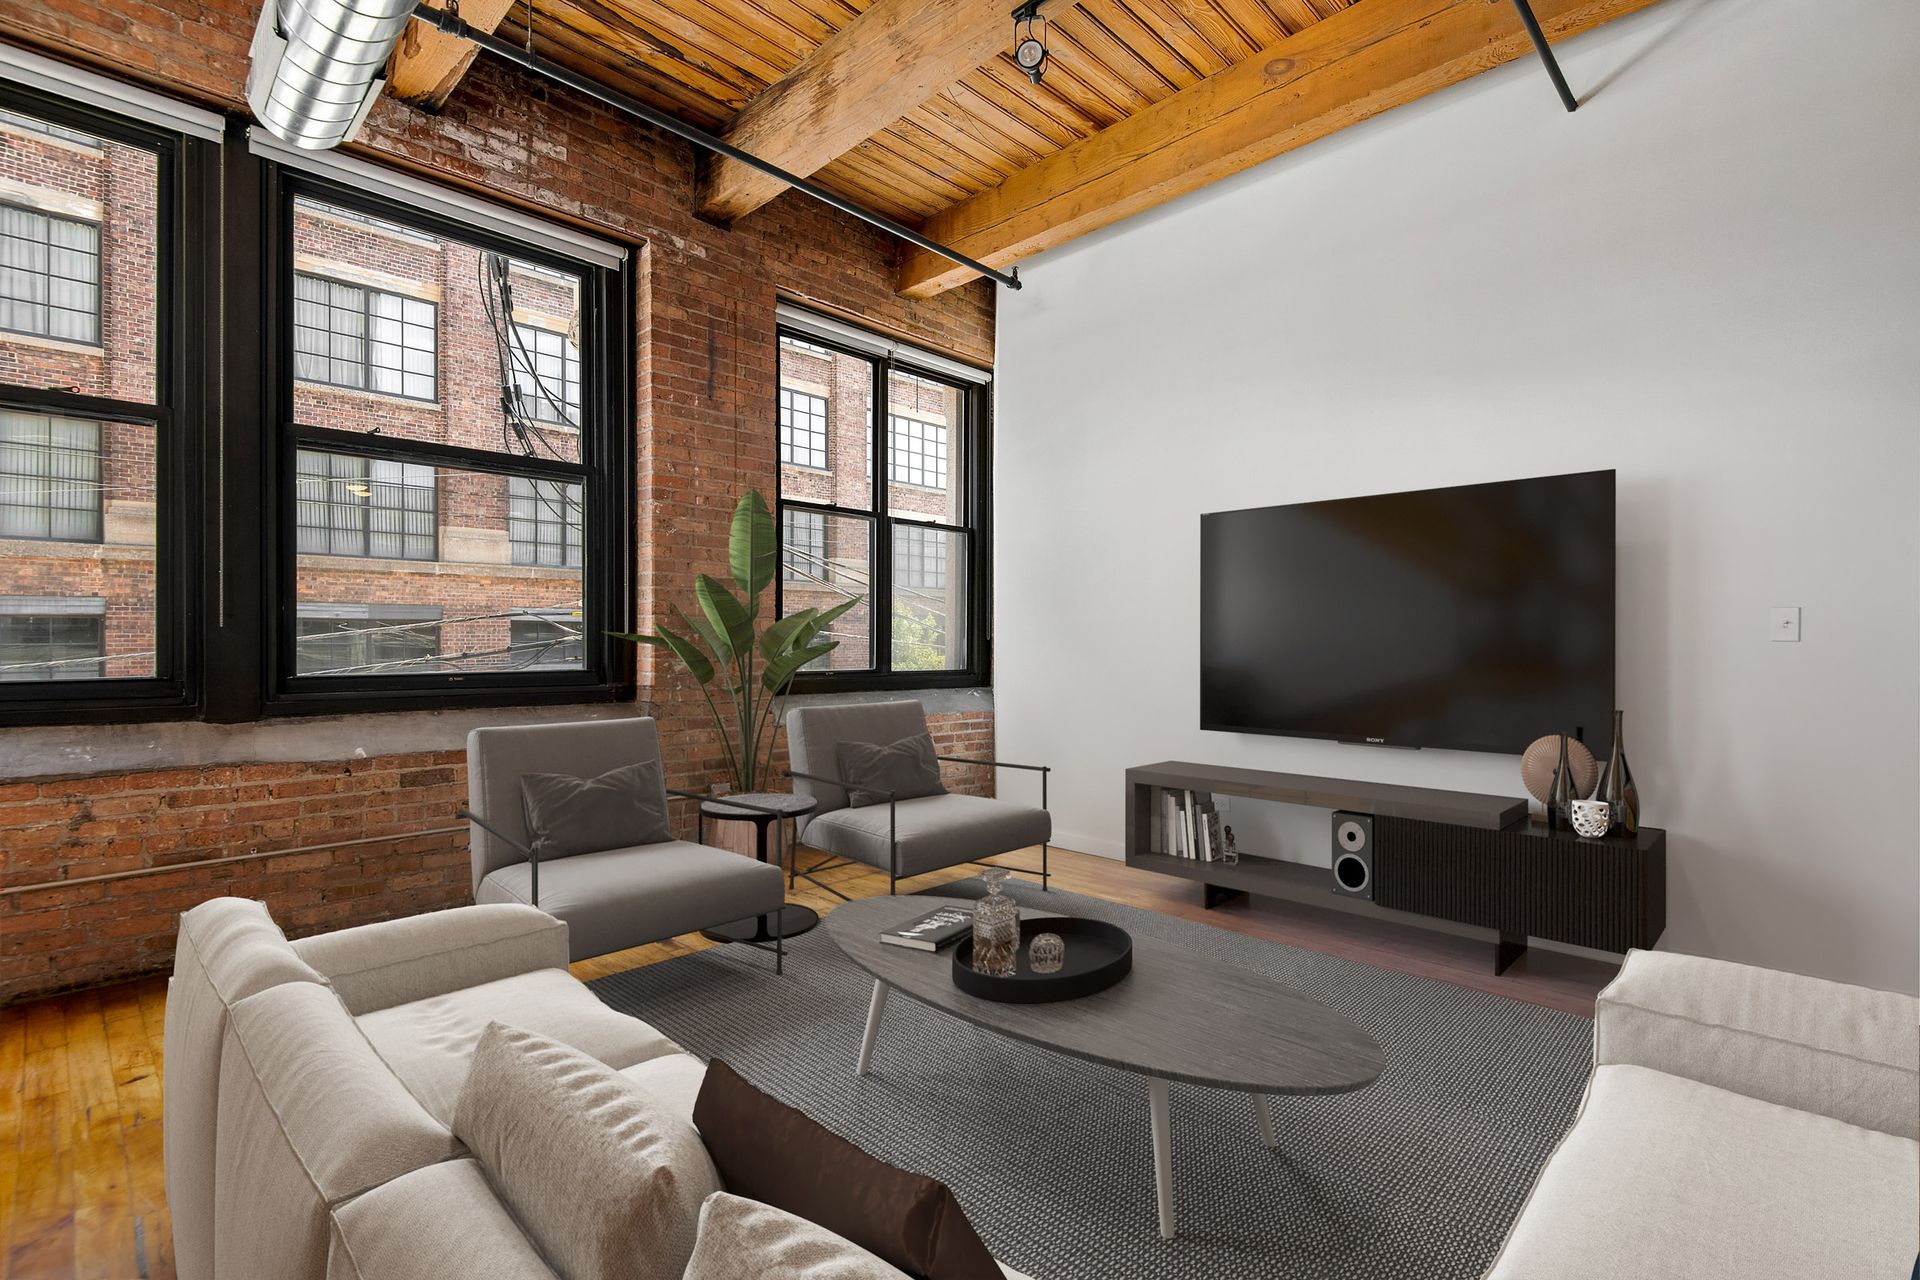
(1663, 1177)
(228, 949)
(428, 1043)
(309, 1117)
(673, 1078)
(1842, 1051)
(443, 1220)
(745, 1240)
(377, 966)
(605, 1178)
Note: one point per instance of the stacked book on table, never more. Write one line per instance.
(1189, 826)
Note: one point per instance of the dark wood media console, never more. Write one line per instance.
(1450, 855)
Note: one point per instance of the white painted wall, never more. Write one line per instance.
(1707, 278)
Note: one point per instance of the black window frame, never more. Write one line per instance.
(366, 364)
(974, 436)
(186, 287)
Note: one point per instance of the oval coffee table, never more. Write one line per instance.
(1176, 1016)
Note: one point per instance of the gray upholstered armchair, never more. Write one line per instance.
(902, 837)
(613, 898)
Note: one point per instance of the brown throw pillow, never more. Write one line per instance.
(620, 808)
(747, 1240)
(907, 768)
(767, 1151)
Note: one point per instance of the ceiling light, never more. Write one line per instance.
(1030, 40)
(316, 66)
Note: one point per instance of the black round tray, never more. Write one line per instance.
(1098, 955)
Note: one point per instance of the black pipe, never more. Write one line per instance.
(1539, 38)
(445, 21)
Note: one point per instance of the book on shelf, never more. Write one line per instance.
(1189, 825)
(931, 931)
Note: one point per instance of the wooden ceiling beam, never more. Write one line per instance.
(1355, 64)
(886, 62)
(427, 65)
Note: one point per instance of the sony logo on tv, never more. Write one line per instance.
(1381, 741)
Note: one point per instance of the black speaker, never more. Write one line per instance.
(1353, 854)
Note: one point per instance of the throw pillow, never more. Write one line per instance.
(605, 1178)
(767, 1151)
(907, 768)
(745, 1240)
(620, 808)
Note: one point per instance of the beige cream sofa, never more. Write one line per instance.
(309, 1088)
(1741, 1124)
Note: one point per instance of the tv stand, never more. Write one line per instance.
(1467, 858)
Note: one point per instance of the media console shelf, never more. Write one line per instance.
(1450, 855)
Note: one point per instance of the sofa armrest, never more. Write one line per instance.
(378, 966)
(1835, 1050)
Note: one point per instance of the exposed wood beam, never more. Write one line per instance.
(1361, 61)
(428, 64)
(880, 66)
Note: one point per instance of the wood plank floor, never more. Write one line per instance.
(81, 1192)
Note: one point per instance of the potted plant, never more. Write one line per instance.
(723, 642)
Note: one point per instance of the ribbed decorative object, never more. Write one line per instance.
(316, 66)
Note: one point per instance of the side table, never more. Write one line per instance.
(769, 807)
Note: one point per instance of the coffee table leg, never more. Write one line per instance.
(875, 1010)
(1265, 1105)
(1162, 1154)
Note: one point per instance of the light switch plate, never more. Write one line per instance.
(1786, 625)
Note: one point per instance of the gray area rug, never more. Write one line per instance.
(1418, 1176)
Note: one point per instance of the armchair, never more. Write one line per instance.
(611, 899)
(905, 837)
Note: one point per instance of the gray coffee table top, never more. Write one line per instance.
(1176, 1015)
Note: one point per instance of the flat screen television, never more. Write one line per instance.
(1475, 618)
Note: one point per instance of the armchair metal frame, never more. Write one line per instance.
(893, 836)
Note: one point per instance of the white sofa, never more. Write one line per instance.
(309, 1087)
(1741, 1124)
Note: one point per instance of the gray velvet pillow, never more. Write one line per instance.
(907, 768)
(620, 808)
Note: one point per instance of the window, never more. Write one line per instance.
(52, 638)
(546, 642)
(546, 375)
(354, 506)
(345, 335)
(803, 429)
(362, 639)
(543, 521)
(18, 123)
(896, 519)
(49, 275)
(49, 477)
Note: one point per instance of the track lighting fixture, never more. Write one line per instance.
(1030, 40)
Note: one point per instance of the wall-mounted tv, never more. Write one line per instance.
(1475, 618)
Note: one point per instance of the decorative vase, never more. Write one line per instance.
(1047, 952)
(1592, 817)
(1616, 784)
(996, 928)
(1560, 799)
(1536, 767)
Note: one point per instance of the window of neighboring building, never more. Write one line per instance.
(543, 642)
(347, 335)
(896, 523)
(803, 429)
(19, 123)
(355, 506)
(52, 638)
(544, 521)
(49, 477)
(546, 374)
(49, 275)
(366, 639)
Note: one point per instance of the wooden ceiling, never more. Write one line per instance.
(915, 108)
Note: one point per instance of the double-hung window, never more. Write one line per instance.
(349, 335)
(49, 275)
(894, 515)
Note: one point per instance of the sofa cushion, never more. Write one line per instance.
(1841, 1051)
(624, 897)
(933, 831)
(377, 966)
(746, 1240)
(228, 949)
(1663, 1176)
(429, 1043)
(616, 810)
(607, 1180)
(443, 1220)
(901, 770)
(767, 1151)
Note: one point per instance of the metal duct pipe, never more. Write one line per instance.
(316, 66)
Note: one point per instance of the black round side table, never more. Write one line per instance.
(795, 918)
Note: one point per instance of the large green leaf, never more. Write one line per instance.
(779, 637)
(752, 550)
(716, 643)
(729, 616)
(780, 670)
(688, 653)
(822, 621)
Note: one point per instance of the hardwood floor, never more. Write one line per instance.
(81, 1192)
